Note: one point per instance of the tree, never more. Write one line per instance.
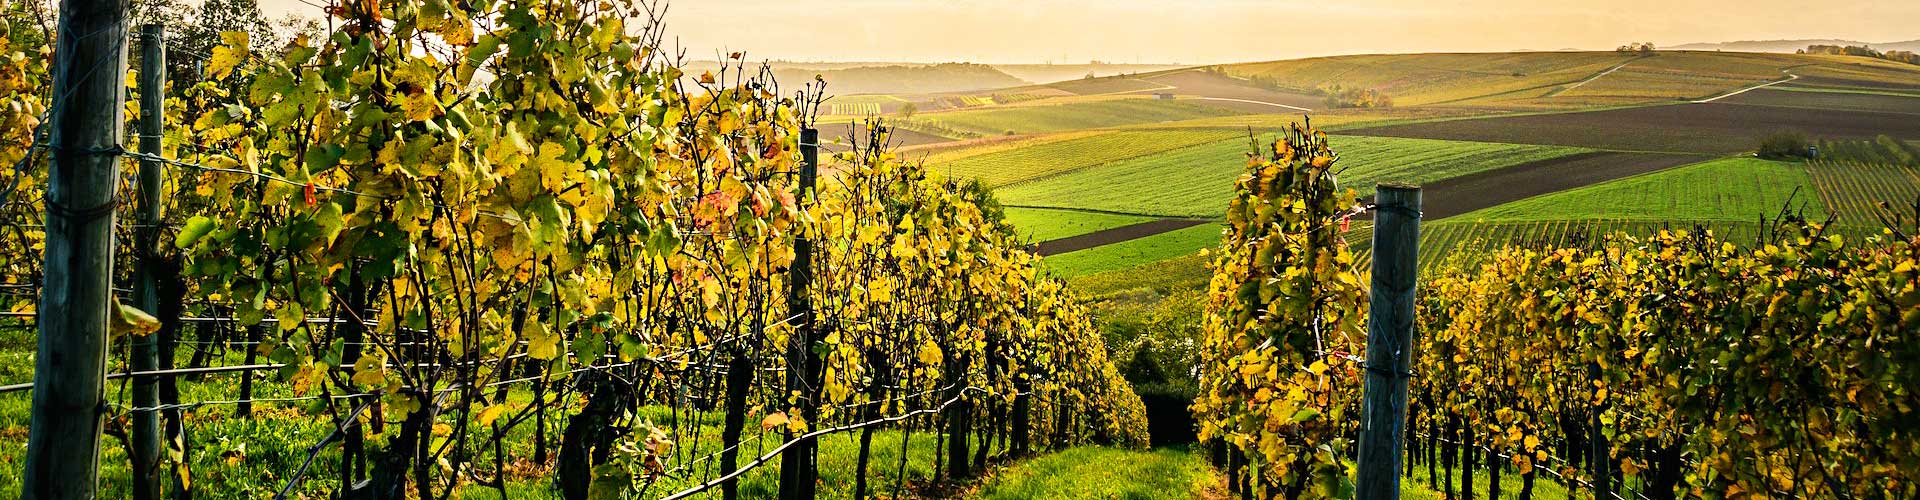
(908, 110)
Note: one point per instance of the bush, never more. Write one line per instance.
(1338, 97)
(1783, 145)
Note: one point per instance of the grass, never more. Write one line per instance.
(1545, 487)
(1130, 253)
(1732, 189)
(1104, 473)
(1006, 166)
(1198, 181)
(1040, 224)
(1167, 275)
(233, 457)
(1073, 116)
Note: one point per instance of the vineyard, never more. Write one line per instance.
(357, 268)
(1866, 194)
(437, 250)
(1687, 364)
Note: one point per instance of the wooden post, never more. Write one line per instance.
(89, 83)
(797, 464)
(1601, 459)
(1383, 407)
(739, 378)
(146, 294)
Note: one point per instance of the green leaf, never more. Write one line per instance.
(330, 221)
(196, 228)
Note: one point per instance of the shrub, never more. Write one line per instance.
(1783, 145)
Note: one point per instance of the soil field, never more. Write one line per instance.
(1828, 100)
(1115, 235)
(1472, 192)
(1717, 128)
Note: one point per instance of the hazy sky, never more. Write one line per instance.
(1209, 31)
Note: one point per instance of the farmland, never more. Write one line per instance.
(1716, 128)
(1007, 166)
(1208, 171)
(1014, 120)
(1485, 133)
(1852, 101)
(1039, 224)
(1854, 191)
(1740, 189)
(1129, 253)
(1421, 79)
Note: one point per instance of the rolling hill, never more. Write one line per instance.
(1789, 46)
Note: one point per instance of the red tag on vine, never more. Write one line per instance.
(310, 192)
(1345, 222)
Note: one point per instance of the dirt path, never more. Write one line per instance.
(1249, 101)
(1791, 77)
(1115, 235)
(1609, 71)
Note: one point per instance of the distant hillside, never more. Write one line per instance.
(1909, 46)
(1789, 46)
(886, 78)
(1049, 73)
(949, 77)
(1561, 80)
(1779, 46)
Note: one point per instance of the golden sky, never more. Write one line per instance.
(1210, 31)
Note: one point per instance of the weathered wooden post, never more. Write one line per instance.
(1383, 407)
(797, 471)
(89, 83)
(146, 293)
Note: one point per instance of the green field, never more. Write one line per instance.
(1732, 189)
(1006, 166)
(1040, 224)
(1198, 181)
(1183, 272)
(1134, 252)
(1029, 119)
